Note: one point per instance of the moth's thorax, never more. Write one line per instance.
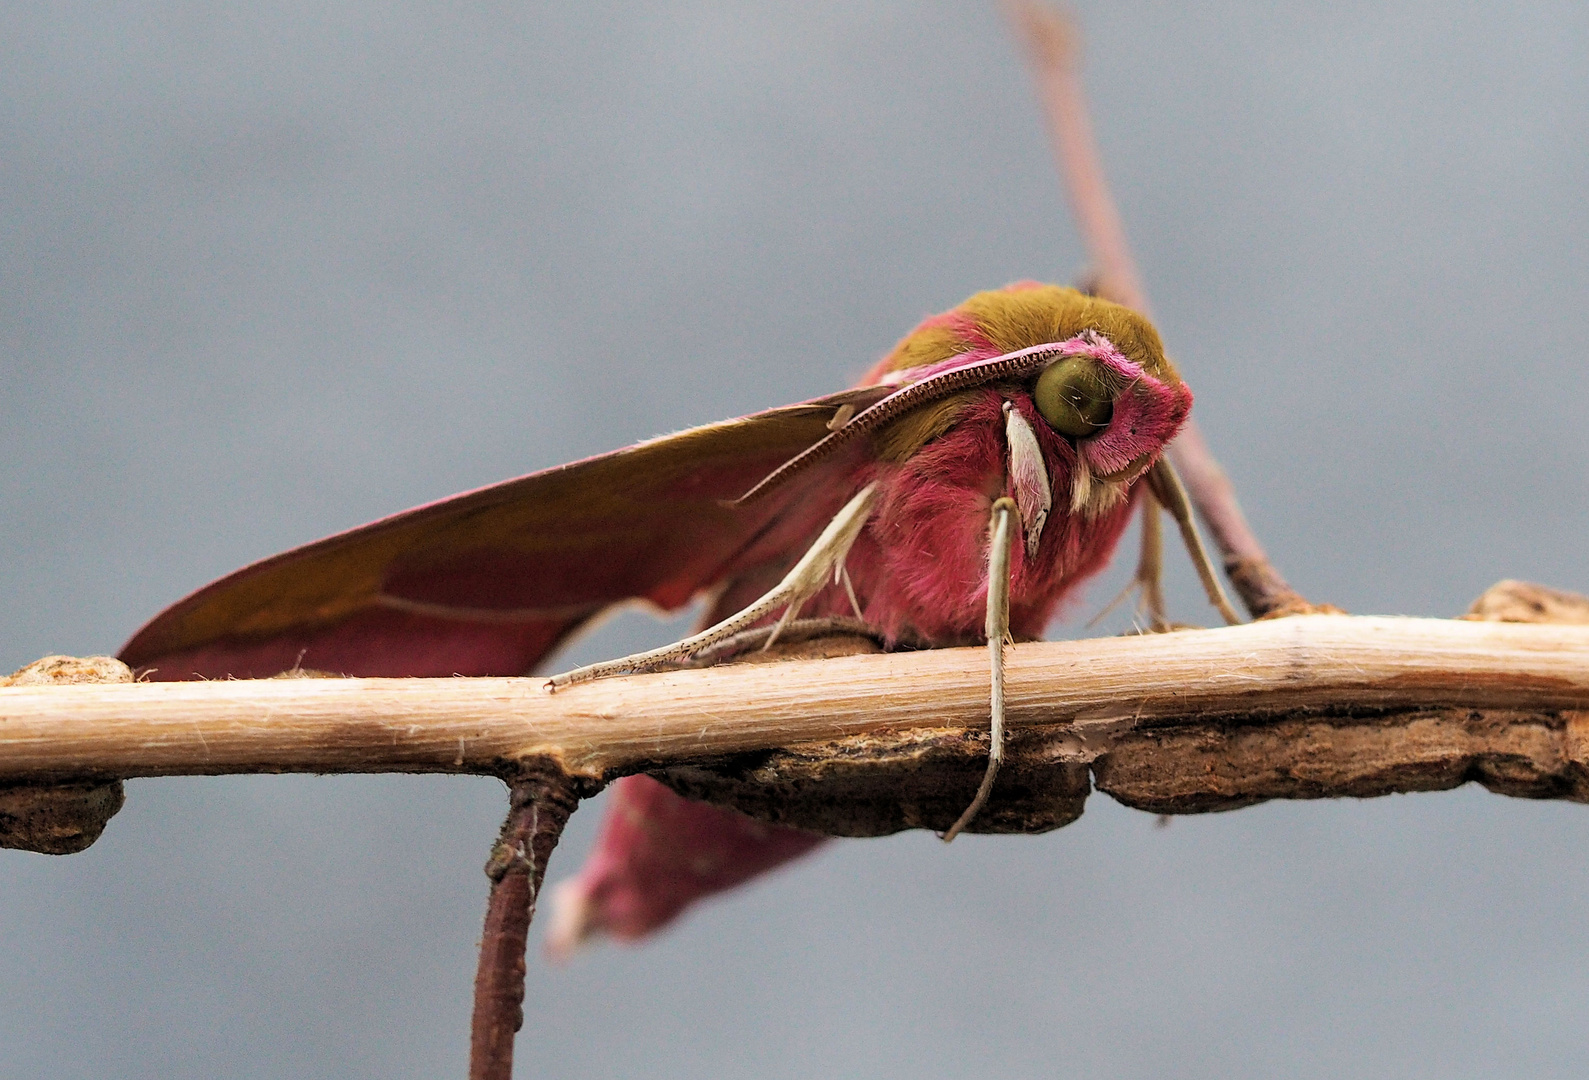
(1020, 316)
(921, 565)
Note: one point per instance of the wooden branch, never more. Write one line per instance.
(60, 819)
(1307, 706)
(539, 805)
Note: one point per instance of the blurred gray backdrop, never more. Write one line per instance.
(270, 270)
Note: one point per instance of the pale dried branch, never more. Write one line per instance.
(60, 819)
(1309, 706)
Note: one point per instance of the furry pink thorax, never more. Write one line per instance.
(920, 568)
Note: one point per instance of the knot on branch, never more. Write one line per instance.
(507, 857)
(60, 819)
(1265, 592)
(1526, 602)
(540, 800)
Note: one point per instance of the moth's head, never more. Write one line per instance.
(1114, 410)
(1091, 375)
(1089, 398)
(1103, 384)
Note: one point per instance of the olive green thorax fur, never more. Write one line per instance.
(1003, 321)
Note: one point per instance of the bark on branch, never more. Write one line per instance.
(539, 804)
(1304, 707)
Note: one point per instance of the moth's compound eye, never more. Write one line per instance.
(1074, 397)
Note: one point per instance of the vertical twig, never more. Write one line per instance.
(1052, 45)
(539, 804)
(1252, 575)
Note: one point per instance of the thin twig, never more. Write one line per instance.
(1053, 47)
(488, 726)
(540, 802)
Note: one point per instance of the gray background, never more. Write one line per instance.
(271, 270)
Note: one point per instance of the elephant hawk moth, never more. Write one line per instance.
(977, 475)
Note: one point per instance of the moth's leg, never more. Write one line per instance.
(808, 577)
(1150, 565)
(1034, 497)
(1166, 485)
(788, 616)
(843, 576)
(757, 638)
(998, 629)
(1148, 580)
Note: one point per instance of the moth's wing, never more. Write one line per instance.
(490, 581)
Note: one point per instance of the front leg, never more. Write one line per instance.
(1000, 528)
(1147, 582)
(1166, 485)
(1150, 566)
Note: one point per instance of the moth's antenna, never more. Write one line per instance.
(1015, 365)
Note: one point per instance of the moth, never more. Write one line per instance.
(980, 472)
